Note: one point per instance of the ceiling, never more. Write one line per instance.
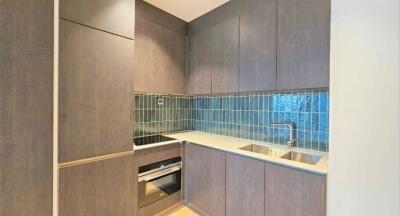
(187, 10)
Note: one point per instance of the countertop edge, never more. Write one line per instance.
(235, 150)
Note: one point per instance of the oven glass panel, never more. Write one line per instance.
(157, 189)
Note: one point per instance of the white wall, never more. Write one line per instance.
(364, 164)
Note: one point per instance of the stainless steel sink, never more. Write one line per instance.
(265, 150)
(302, 157)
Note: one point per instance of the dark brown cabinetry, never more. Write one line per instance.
(95, 101)
(213, 59)
(303, 44)
(225, 56)
(160, 59)
(257, 60)
(283, 45)
(160, 52)
(218, 183)
(199, 74)
(99, 188)
(244, 186)
(293, 192)
(205, 179)
(116, 16)
(26, 107)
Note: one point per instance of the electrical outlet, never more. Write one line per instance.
(160, 101)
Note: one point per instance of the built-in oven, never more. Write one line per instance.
(159, 180)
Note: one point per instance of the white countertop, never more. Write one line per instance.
(233, 145)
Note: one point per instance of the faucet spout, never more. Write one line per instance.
(291, 140)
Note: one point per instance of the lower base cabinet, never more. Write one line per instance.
(290, 192)
(244, 186)
(205, 180)
(219, 184)
(100, 188)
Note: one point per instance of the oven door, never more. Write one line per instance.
(158, 185)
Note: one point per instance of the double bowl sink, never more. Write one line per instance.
(286, 154)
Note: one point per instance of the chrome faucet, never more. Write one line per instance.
(291, 140)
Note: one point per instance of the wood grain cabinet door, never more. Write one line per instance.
(303, 44)
(160, 59)
(291, 192)
(100, 188)
(257, 63)
(205, 179)
(199, 74)
(115, 16)
(244, 186)
(225, 56)
(26, 107)
(95, 115)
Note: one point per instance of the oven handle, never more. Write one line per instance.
(161, 173)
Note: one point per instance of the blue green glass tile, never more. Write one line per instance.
(315, 122)
(324, 102)
(295, 103)
(295, 119)
(304, 102)
(260, 102)
(246, 103)
(286, 103)
(253, 102)
(315, 102)
(315, 140)
(287, 117)
(242, 115)
(323, 140)
(323, 122)
(265, 102)
(307, 139)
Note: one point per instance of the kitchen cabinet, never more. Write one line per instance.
(283, 45)
(95, 100)
(160, 54)
(199, 73)
(244, 186)
(26, 113)
(293, 192)
(225, 56)
(303, 44)
(161, 153)
(219, 183)
(98, 188)
(115, 16)
(204, 179)
(257, 62)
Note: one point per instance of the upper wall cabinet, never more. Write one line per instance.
(257, 65)
(160, 59)
(303, 44)
(95, 93)
(199, 74)
(160, 52)
(283, 45)
(116, 16)
(225, 56)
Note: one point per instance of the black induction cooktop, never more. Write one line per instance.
(139, 141)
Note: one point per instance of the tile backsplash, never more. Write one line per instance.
(156, 114)
(244, 115)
